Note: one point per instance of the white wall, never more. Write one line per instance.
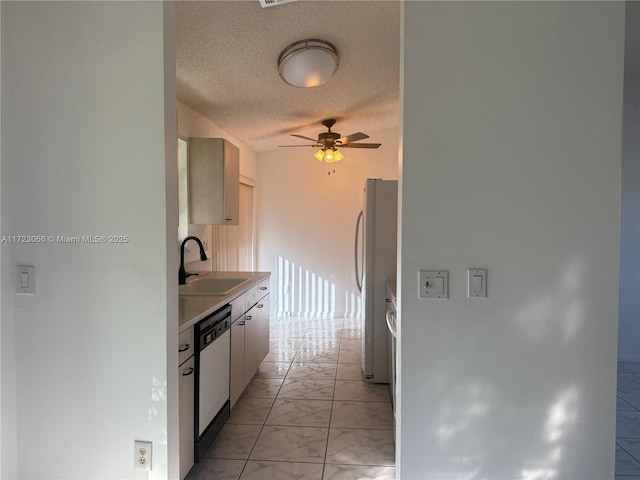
(193, 124)
(306, 224)
(511, 162)
(88, 148)
(8, 407)
(629, 319)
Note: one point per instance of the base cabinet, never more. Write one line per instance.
(256, 339)
(249, 339)
(262, 344)
(250, 343)
(185, 414)
(237, 361)
(249, 347)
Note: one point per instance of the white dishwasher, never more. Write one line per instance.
(213, 352)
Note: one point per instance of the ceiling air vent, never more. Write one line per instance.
(271, 3)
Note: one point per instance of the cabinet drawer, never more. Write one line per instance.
(186, 345)
(238, 307)
(251, 297)
(264, 287)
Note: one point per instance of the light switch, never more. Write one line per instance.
(477, 283)
(433, 284)
(26, 279)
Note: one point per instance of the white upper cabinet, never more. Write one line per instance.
(214, 182)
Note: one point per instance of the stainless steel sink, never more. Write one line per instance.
(210, 286)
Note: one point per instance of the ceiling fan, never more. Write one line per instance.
(331, 141)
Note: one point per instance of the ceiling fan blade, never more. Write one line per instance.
(316, 146)
(354, 137)
(302, 136)
(360, 145)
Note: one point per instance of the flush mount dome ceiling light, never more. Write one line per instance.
(308, 63)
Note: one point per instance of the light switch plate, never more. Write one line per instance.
(477, 283)
(433, 284)
(26, 280)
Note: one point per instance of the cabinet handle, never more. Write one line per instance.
(186, 373)
(241, 324)
(248, 317)
(184, 348)
(263, 288)
(229, 219)
(260, 305)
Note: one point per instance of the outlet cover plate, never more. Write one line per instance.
(142, 456)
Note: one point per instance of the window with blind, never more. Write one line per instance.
(233, 244)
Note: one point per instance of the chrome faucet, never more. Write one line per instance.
(182, 275)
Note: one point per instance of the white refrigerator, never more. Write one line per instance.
(375, 263)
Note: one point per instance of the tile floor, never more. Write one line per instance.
(628, 422)
(308, 413)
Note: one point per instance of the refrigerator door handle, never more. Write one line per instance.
(390, 317)
(359, 221)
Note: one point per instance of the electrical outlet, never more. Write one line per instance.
(206, 245)
(142, 456)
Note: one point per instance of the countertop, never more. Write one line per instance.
(193, 308)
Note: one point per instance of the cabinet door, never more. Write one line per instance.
(213, 182)
(231, 184)
(185, 415)
(251, 344)
(256, 337)
(262, 330)
(237, 361)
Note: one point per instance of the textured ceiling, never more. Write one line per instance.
(227, 54)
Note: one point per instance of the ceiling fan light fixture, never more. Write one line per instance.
(329, 155)
(308, 63)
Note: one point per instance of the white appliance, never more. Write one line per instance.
(213, 353)
(393, 335)
(214, 380)
(375, 262)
